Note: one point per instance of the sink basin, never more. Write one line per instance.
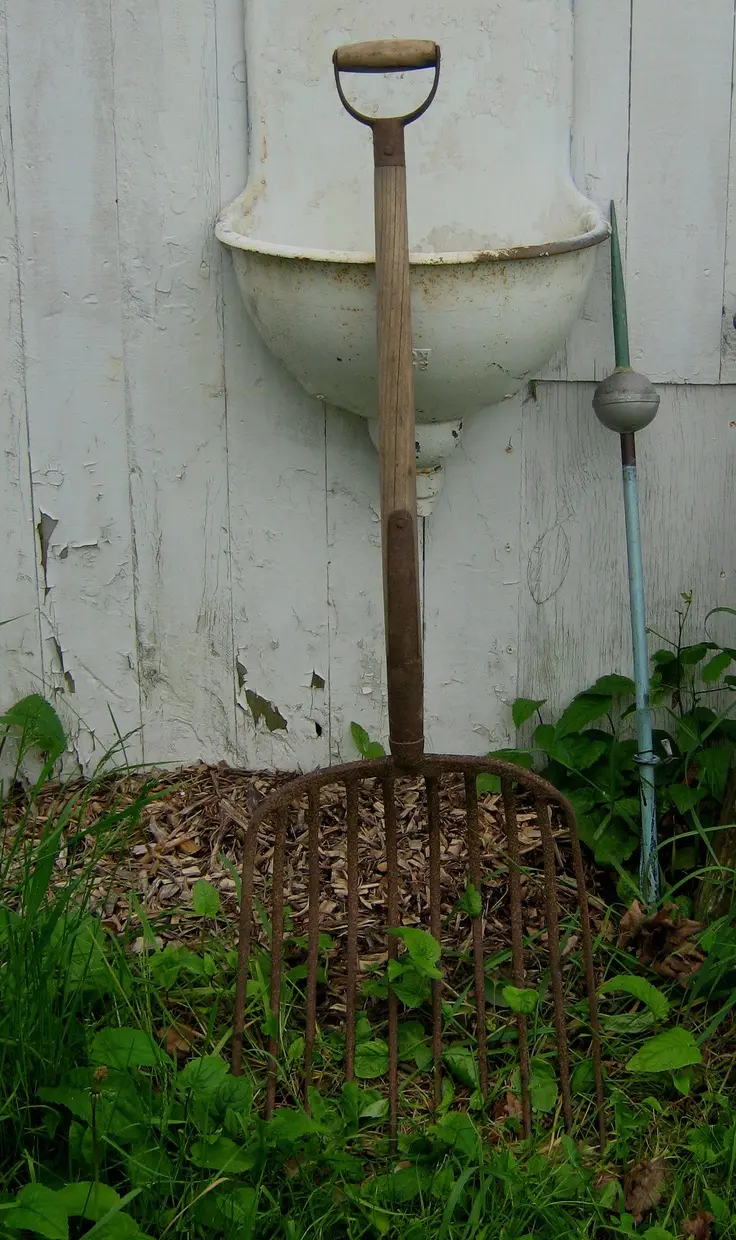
(483, 322)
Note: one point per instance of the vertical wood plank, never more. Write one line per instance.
(471, 588)
(599, 157)
(20, 646)
(279, 573)
(166, 116)
(357, 654)
(728, 336)
(681, 70)
(575, 614)
(63, 137)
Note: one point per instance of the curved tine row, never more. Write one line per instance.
(275, 807)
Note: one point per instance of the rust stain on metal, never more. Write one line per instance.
(287, 804)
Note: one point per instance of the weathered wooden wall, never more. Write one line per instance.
(183, 528)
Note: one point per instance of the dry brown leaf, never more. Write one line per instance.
(644, 1187)
(187, 846)
(630, 923)
(698, 1227)
(179, 1039)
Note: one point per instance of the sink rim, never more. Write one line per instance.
(599, 231)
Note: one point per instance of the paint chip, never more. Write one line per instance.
(317, 681)
(260, 708)
(45, 528)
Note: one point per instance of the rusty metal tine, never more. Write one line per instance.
(312, 938)
(277, 950)
(351, 788)
(474, 872)
(555, 958)
(435, 922)
(590, 978)
(244, 936)
(517, 942)
(392, 875)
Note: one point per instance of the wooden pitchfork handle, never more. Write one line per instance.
(397, 452)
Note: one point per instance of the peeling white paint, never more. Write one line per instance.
(218, 531)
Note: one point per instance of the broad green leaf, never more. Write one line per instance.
(628, 1023)
(667, 1052)
(715, 764)
(86, 1199)
(222, 1155)
(640, 989)
(718, 1207)
(289, 1126)
(523, 709)
(463, 1065)
(235, 1093)
(40, 1210)
(492, 783)
(371, 1059)
(576, 752)
(689, 655)
(684, 797)
(363, 743)
(542, 1085)
(612, 686)
(39, 725)
(582, 1080)
(683, 1081)
(716, 666)
(423, 1056)
(205, 899)
(521, 1000)
(409, 985)
(203, 1076)
(688, 734)
(614, 846)
(375, 1110)
(471, 901)
(423, 949)
(126, 1048)
(411, 1035)
(457, 1130)
(582, 710)
(657, 1233)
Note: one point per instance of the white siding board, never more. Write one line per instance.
(599, 157)
(20, 662)
(166, 114)
(279, 558)
(575, 614)
(357, 671)
(61, 100)
(728, 340)
(678, 173)
(471, 588)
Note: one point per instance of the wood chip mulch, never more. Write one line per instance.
(192, 825)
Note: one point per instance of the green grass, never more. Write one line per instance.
(105, 1134)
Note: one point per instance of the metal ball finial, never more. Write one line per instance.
(626, 401)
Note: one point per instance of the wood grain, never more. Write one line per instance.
(578, 627)
(397, 457)
(61, 95)
(678, 177)
(166, 109)
(20, 647)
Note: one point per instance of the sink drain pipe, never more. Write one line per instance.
(626, 402)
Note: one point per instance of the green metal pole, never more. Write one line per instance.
(648, 864)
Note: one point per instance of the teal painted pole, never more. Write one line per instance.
(648, 865)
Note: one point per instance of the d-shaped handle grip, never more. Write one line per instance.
(386, 56)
